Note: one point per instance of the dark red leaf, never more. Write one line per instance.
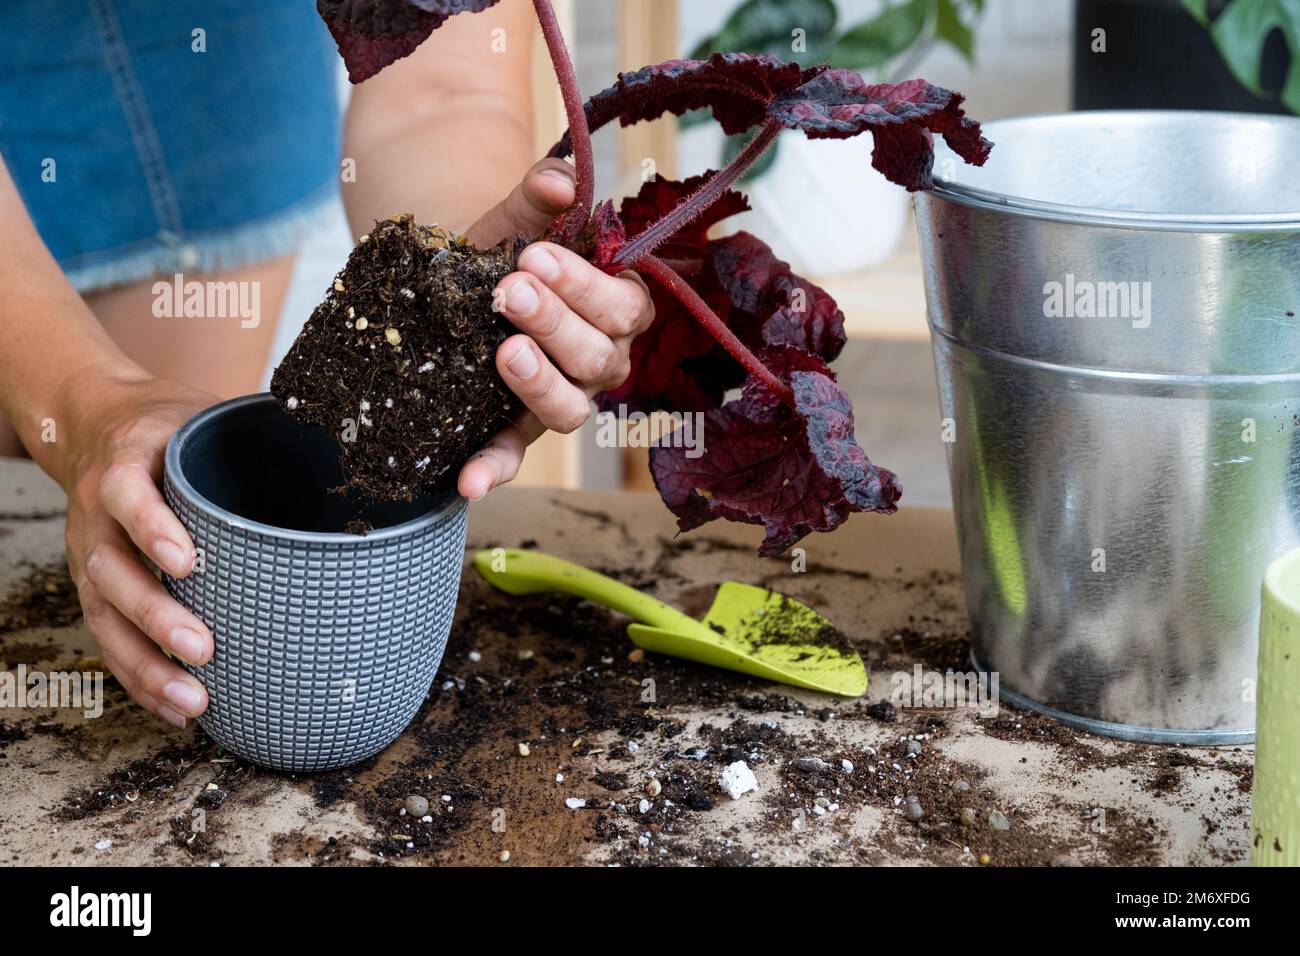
(770, 304)
(745, 89)
(371, 34)
(602, 237)
(736, 86)
(900, 116)
(659, 196)
(676, 364)
(794, 471)
(666, 363)
(673, 362)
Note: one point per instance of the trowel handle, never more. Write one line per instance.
(531, 572)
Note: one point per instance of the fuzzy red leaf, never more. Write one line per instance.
(659, 196)
(371, 34)
(744, 90)
(602, 237)
(770, 304)
(792, 470)
(673, 361)
(736, 86)
(676, 364)
(900, 116)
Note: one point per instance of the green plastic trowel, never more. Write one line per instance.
(747, 629)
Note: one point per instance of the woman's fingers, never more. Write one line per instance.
(122, 580)
(584, 353)
(546, 190)
(139, 666)
(499, 460)
(127, 490)
(558, 404)
(617, 305)
(146, 700)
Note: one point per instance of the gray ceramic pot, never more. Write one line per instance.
(326, 642)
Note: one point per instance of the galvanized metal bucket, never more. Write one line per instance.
(326, 642)
(1114, 302)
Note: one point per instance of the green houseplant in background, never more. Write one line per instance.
(1241, 28)
(858, 223)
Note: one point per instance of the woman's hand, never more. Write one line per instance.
(576, 325)
(110, 467)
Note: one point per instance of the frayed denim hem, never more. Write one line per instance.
(211, 251)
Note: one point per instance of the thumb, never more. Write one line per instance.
(546, 190)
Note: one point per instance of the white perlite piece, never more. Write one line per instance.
(573, 803)
(737, 780)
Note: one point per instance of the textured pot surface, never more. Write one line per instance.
(326, 642)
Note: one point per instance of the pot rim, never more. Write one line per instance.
(176, 476)
(974, 196)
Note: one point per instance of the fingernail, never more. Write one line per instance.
(171, 556)
(524, 364)
(521, 300)
(173, 718)
(182, 695)
(540, 263)
(564, 172)
(189, 644)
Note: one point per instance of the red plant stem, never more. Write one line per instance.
(580, 136)
(664, 274)
(694, 205)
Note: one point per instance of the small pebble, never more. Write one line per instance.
(524, 751)
(737, 780)
(847, 765)
(505, 856)
(969, 816)
(998, 820)
(338, 285)
(1065, 859)
(985, 859)
(362, 324)
(811, 764)
(104, 844)
(960, 786)
(912, 808)
(393, 336)
(643, 806)
(525, 655)
(913, 747)
(654, 787)
(417, 806)
(573, 803)
(427, 818)
(636, 656)
(475, 656)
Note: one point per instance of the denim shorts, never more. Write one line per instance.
(157, 136)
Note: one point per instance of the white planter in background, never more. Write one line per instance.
(823, 208)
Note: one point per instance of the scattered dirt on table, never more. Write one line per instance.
(46, 597)
(546, 739)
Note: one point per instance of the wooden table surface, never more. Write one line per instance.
(555, 676)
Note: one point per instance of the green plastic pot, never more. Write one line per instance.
(1275, 822)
